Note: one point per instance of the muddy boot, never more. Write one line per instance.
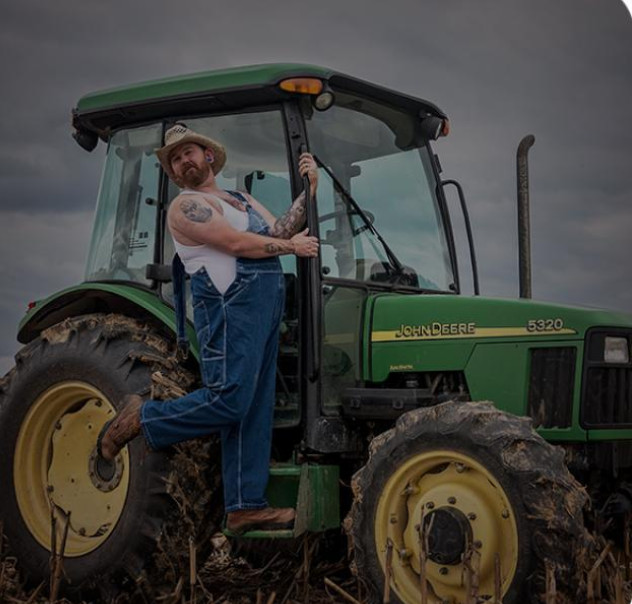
(267, 519)
(116, 433)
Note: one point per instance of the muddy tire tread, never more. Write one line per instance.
(553, 499)
(144, 361)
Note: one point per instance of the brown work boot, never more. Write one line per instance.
(267, 519)
(116, 433)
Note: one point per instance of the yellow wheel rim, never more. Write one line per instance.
(460, 487)
(56, 470)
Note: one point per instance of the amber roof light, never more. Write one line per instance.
(302, 85)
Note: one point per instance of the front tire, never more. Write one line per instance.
(482, 483)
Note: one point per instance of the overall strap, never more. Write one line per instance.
(178, 276)
(239, 196)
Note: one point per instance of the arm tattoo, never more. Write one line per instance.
(272, 248)
(291, 222)
(195, 211)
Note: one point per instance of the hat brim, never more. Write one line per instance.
(219, 152)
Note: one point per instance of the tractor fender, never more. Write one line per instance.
(88, 298)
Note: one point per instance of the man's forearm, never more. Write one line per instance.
(292, 221)
(252, 245)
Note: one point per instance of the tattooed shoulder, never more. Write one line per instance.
(195, 211)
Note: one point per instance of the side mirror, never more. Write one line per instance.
(433, 127)
(87, 140)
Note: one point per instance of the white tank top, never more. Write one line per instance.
(220, 266)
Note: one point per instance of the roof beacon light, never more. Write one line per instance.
(302, 85)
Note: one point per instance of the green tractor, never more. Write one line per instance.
(383, 423)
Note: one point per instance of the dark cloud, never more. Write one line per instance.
(559, 70)
(43, 253)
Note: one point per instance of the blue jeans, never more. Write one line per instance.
(238, 337)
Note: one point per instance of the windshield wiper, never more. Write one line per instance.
(395, 264)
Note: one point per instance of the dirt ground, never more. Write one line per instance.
(283, 577)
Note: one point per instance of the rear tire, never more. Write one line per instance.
(65, 385)
(485, 476)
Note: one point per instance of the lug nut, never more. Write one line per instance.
(405, 553)
(505, 514)
(443, 570)
(460, 468)
(393, 519)
(451, 500)
(478, 544)
(472, 516)
(430, 505)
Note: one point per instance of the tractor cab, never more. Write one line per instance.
(379, 212)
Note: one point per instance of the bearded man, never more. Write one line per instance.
(229, 244)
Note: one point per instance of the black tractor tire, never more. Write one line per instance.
(509, 465)
(62, 379)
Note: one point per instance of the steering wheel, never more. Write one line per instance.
(363, 227)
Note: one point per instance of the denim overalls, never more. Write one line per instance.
(238, 336)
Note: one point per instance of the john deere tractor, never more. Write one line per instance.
(474, 449)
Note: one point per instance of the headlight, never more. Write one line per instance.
(616, 350)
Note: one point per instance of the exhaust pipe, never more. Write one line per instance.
(524, 226)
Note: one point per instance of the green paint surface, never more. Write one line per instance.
(146, 300)
(490, 344)
(312, 489)
(202, 83)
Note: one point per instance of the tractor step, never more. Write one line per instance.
(311, 489)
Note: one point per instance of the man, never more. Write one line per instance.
(229, 244)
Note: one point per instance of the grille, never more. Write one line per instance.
(607, 388)
(551, 386)
(608, 396)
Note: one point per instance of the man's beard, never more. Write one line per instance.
(194, 175)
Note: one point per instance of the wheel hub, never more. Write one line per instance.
(448, 532)
(446, 508)
(56, 468)
(105, 475)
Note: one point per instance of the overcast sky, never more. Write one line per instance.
(501, 69)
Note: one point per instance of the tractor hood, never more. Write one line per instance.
(439, 333)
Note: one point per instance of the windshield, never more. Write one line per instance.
(125, 223)
(370, 151)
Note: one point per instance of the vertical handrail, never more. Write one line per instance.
(468, 229)
(313, 282)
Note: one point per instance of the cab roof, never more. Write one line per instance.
(214, 91)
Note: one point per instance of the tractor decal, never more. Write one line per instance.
(442, 331)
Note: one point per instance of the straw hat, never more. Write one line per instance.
(179, 135)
